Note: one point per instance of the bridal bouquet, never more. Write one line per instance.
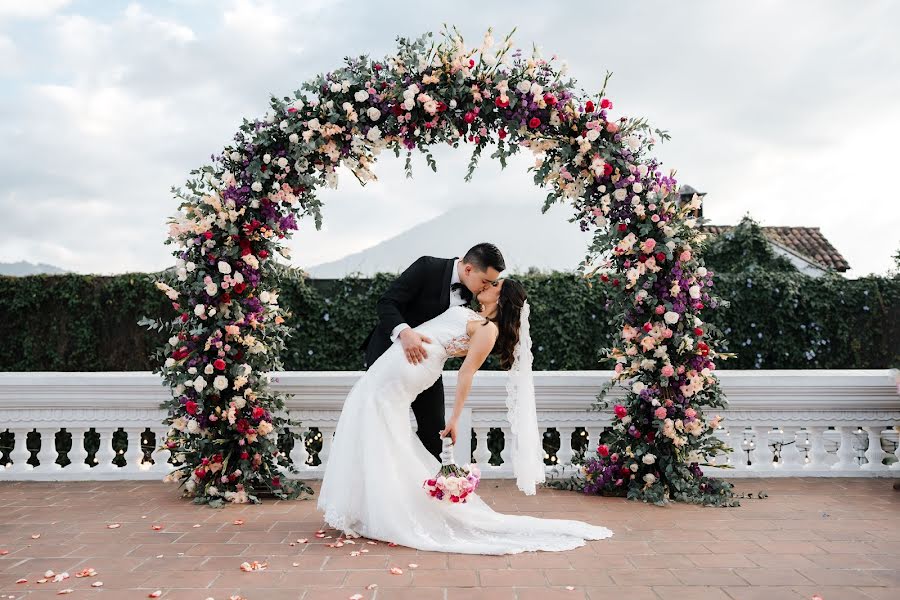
(452, 482)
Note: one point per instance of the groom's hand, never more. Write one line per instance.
(412, 343)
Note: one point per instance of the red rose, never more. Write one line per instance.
(200, 473)
(589, 107)
(605, 103)
(642, 258)
(471, 62)
(650, 436)
(264, 168)
(623, 227)
(291, 110)
(377, 67)
(276, 482)
(607, 169)
(441, 107)
(703, 348)
(396, 110)
(620, 411)
(245, 455)
(184, 317)
(550, 99)
(502, 134)
(470, 116)
(615, 283)
(454, 498)
(226, 298)
(499, 102)
(238, 355)
(191, 407)
(207, 235)
(604, 277)
(534, 123)
(240, 287)
(258, 412)
(181, 353)
(219, 364)
(660, 257)
(603, 450)
(263, 253)
(698, 332)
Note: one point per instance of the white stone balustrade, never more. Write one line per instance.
(803, 423)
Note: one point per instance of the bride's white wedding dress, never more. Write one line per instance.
(372, 485)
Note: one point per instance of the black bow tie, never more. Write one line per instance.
(464, 292)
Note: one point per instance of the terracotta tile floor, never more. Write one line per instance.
(838, 538)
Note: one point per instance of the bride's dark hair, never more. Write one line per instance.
(508, 316)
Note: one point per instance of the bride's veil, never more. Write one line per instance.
(527, 443)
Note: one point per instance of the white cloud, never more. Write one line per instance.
(784, 111)
(9, 56)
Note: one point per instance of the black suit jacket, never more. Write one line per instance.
(420, 293)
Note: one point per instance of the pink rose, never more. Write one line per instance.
(620, 411)
(660, 309)
(649, 245)
(685, 256)
(612, 127)
(660, 413)
(668, 371)
(667, 333)
(690, 413)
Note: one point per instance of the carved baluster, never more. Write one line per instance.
(818, 456)
(896, 465)
(761, 456)
(565, 452)
(482, 452)
(846, 457)
(133, 453)
(875, 454)
(299, 453)
(47, 453)
(161, 454)
(20, 453)
(327, 438)
(103, 460)
(790, 453)
(506, 452)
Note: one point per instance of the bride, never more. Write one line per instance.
(372, 484)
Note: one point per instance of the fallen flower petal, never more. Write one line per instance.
(396, 571)
(197, 525)
(35, 536)
(356, 597)
(65, 591)
(371, 586)
(570, 588)
(238, 521)
(156, 527)
(97, 584)
(412, 565)
(49, 574)
(114, 526)
(4, 552)
(302, 541)
(155, 594)
(22, 581)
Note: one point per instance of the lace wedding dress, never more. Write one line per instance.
(372, 485)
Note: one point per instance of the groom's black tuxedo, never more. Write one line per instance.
(420, 293)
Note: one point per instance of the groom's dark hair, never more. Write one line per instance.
(485, 255)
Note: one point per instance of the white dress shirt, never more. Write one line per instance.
(456, 298)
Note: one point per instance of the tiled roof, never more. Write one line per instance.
(806, 241)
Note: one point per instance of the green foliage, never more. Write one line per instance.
(744, 248)
(774, 321)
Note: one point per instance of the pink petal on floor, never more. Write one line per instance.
(22, 581)
(295, 564)
(238, 521)
(65, 591)
(49, 574)
(413, 566)
(392, 545)
(197, 525)
(4, 552)
(156, 527)
(570, 588)
(97, 584)
(356, 597)
(35, 536)
(155, 594)
(302, 541)
(114, 526)
(372, 543)
(396, 571)
(371, 586)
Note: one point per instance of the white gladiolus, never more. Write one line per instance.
(256, 186)
(648, 459)
(373, 113)
(671, 317)
(220, 382)
(199, 383)
(224, 267)
(361, 96)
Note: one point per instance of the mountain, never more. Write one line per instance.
(527, 238)
(22, 268)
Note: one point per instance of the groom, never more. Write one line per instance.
(424, 290)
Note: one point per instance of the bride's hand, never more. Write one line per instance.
(451, 430)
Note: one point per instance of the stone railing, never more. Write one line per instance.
(780, 423)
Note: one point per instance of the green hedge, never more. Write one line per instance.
(776, 320)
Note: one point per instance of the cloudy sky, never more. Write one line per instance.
(787, 111)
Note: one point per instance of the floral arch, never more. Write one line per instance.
(236, 212)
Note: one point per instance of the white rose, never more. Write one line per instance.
(267, 158)
(192, 371)
(650, 478)
(314, 124)
(701, 272)
(200, 310)
(264, 297)
(190, 267)
(239, 402)
(671, 317)
(633, 142)
(238, 277)
(638, 387)
(199, 383)
(374, 134)
(235, 156)
(220, 382)
(373, 113)
(452, 103)
(648, 459)
(293, 138)
(170, 362)
(174, 340)
(224, 267)
(336, 87)
(620, 194)
(283, 125)
(638, 187)
(298, 104)
(524, 86)
(643, 170)
(208, 369)
(256, 186)
(633, 467)
(409, 103)
(361, 96)
(211, 289)
(193, 426)
(592, 135)
(270, 117)
(694, 291)
(282, 162)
